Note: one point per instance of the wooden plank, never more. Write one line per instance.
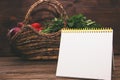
(13, 68)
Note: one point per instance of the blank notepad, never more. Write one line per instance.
(85, 53)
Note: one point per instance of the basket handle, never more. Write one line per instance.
(53, 3)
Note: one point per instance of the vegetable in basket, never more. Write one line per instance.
(80, 21)
(76, 21)
(20, 24)
(55, 25)
(37, 26)
(15, 30)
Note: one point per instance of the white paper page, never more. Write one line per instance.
(85, 55)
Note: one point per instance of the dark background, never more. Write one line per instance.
(105, 12)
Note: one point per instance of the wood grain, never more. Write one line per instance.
(13, 68)
(104, 12)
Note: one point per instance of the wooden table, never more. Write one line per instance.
(12, 68)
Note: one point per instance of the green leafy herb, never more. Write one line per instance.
(80, 21)
(76, 21)
(53, 26)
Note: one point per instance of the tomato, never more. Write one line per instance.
(37, 26)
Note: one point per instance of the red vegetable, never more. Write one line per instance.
(17, 29)
(13, 31)
(37, 26)
(20, 24)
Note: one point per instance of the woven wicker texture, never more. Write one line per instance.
(31, 45)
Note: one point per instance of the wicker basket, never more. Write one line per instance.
(31, 45)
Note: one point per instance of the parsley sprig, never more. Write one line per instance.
(76, 21)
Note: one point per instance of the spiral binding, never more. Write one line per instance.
(84, 30)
